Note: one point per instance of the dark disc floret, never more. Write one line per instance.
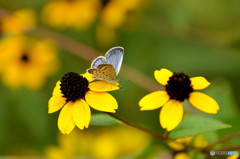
(105, 2)
(179, 87)
(25, 57)
(74, 86)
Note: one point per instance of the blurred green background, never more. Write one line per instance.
(199, 38)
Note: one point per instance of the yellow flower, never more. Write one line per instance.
(233, 156)
(119, 141)
(75, 93)
(76, 14)
(181, 155)
(103, 143)
(200, 142)
(178, 87)
(105, 36)
(27, 61)
(179, 144)
(18, 21)
(114, 14)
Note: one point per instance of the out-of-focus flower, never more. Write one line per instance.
(179, 145)
(75, 93)
(114, 14)
(181, 155)
(200, 142)
(105, 36)
(76, 14)
(104, 143)
(119, 141)
(26, 61)
(233, 157)
(18, 21)
(178, 88)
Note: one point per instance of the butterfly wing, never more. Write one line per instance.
(97, 61)
(103, 72)
(115, 57)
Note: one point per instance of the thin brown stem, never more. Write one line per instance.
(225, 139)
(67, 43)
(158, 136)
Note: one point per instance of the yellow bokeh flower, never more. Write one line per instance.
(74, 93)
(179, 144)
(178, 87)
(18, 21)
(104, 143)
(76, 14)
(115, 12)
(119, 141)
(113, 15)
(233, 157)
(181, 155)
(200, 142)
(26, 61)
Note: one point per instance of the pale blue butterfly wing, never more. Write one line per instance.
(115, 57)
(97, 61)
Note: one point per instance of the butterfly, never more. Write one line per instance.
(107, 68)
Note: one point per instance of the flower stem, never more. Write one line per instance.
(225, 139)
(158, 136)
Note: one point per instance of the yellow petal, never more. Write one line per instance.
(181, 155)
(88, 76)
(55, 103)
(233, 157)
(179, 144)
(199, 83)
(57, 90)
(101, 101)
(162, 76)
(81, 114)
(153, 100)
(171, 115)
(200, 142)
(65, 119)
(103, 86)
(203, 102)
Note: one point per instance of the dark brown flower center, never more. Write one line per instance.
(105, 2)
(74, 86)
(179, 87)
(24, 58)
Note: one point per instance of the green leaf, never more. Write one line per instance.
(103, 120)
(196, 124)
